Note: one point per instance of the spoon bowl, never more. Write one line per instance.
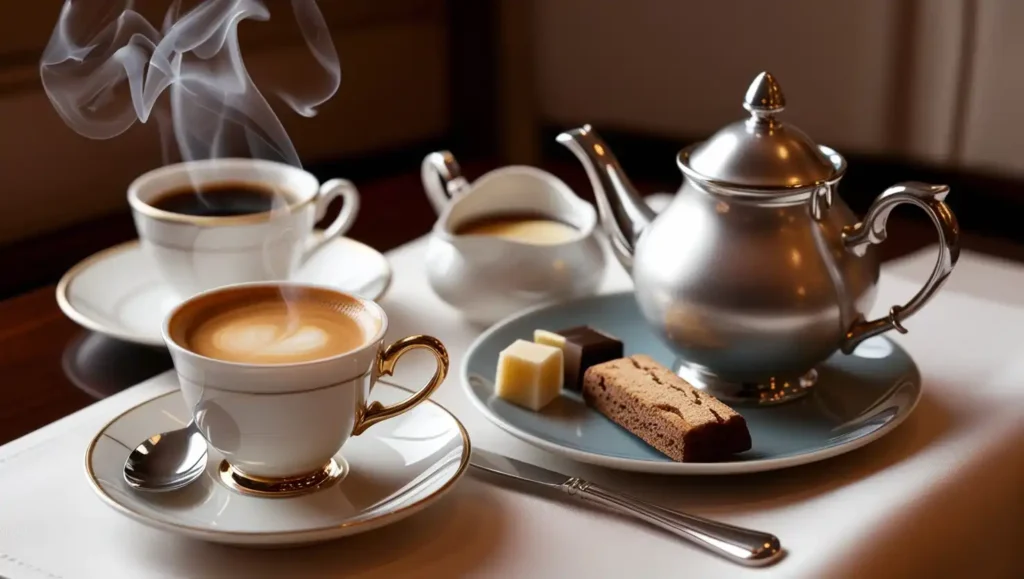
(167, 461)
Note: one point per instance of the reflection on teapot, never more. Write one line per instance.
(757, 271)
(515, 238)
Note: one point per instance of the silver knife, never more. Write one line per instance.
(744, 546)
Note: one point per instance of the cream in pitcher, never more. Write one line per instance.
(516, 237)
(524, 228)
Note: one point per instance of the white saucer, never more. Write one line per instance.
(119, 292)
(395, 469)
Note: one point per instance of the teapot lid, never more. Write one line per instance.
(761, 152)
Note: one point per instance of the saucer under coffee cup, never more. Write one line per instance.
(278, 377)
(218, 222)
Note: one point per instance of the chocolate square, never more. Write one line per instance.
(585, 347)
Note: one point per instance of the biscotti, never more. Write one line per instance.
(655, 404)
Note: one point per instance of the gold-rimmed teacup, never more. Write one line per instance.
(278, 377)
(196, 252)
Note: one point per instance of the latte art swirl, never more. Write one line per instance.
(270, 340)
(277, 332)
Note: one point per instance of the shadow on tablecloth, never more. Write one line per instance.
(930, 422)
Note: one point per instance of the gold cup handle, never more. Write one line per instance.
(376, 412)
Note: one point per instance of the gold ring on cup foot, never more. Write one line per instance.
(763, 393)
(323, 477)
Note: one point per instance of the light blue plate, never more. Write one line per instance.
(858, 398)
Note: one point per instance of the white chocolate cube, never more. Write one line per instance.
(549, 339)
(529, 374)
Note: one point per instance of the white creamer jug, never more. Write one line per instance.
(488, 277)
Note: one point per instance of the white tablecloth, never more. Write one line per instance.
(941, 496)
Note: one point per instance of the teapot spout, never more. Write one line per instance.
(624, 215)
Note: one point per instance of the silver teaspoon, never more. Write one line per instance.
(167, 461)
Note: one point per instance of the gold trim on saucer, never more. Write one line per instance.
(370, 523)
(90, 324)
(85, 321)
(388, 279)
(323, 477)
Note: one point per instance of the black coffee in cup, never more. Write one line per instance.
(220, 200)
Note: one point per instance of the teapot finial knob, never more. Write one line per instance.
(764, 97)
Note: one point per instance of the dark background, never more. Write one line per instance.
(494, 80)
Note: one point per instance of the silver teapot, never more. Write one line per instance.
(757, 271)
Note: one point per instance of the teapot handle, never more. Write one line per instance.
(857, 238)
(442, 179)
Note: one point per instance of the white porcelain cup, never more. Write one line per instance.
(197, 253)
(280, 425)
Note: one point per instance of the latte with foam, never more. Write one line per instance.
(261, 327)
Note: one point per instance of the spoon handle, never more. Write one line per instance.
(743, 546)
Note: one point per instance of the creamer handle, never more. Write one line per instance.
(442, 179)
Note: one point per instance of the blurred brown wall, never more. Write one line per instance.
(933, 81)
(928, 81)
(394, 91)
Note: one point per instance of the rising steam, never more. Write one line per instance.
(106, 67)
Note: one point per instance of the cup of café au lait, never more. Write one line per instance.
(515, 238)
(218, 222)
(278, 377)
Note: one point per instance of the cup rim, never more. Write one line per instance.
(369, 304)
(149, 211)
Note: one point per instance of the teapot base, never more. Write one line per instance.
(775, 390)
